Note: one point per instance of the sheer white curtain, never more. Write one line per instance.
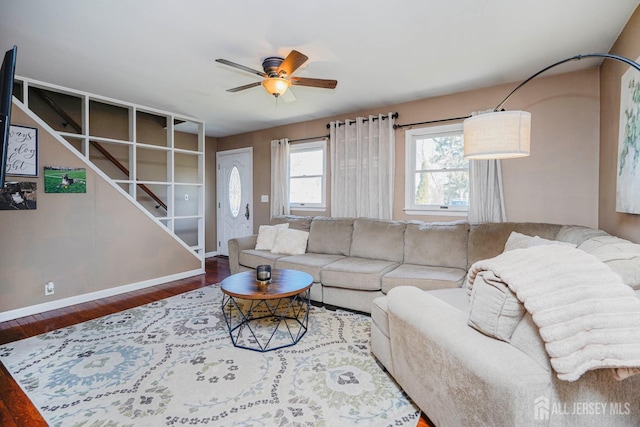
(362, 167)
(280, 177)
(486, 198)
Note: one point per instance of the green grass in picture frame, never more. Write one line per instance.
(58, 179)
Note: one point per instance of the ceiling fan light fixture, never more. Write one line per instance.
(277, 75)
(276, 86)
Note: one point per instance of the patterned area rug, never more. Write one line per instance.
(171, 362)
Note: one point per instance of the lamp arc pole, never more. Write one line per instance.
(507, 134)
(573, 58)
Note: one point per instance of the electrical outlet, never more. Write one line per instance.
(49, 288)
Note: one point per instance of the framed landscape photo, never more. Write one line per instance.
(628, 176)
(59, 179)
(22, 151)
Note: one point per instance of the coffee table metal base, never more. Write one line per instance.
(266, 324)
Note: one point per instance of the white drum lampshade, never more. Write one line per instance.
(497, 135)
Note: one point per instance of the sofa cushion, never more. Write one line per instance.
(252, 258)
(378, 239)
(526, 338)
(455, 297)
(423, 277)
(330, 235)
(356, 273)
(267, 236)
(436, 244)
(487, 240)
(295, 221)
(522, 241)
(494, 310)
(622, 256)
(290, 241)
(309, 263)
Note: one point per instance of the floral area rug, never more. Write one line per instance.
(171, 362)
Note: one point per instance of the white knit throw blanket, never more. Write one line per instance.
(587, 317)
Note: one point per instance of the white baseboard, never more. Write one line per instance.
(92, 296)
(210, 254)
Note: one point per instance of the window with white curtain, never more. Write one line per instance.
(437, 174)
(307, 175)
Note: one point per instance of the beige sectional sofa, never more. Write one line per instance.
(410, 276)
(459, 376)
(355, 260)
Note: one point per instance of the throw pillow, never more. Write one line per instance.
(578, 234)
(521, 241)
(621, 255)
(267, 236)
(290, 241)
(494, 309)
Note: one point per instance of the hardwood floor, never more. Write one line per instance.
(15, 408)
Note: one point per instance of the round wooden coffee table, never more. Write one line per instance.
(265, 317)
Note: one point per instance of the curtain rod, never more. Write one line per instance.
(394, 115)
(307, 139)
(431, 121)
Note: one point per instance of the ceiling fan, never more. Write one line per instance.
(277, 74)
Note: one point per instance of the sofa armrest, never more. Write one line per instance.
(235, 246)
(455, 374)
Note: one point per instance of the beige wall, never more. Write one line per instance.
(82, 242)
(628, 45)
(557, 183)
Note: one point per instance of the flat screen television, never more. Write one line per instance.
(6, 96)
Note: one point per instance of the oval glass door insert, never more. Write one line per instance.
(235, 192)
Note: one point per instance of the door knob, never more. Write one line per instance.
(246, 213)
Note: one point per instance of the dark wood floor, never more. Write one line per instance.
(15, 407)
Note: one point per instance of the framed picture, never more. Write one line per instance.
(628, 177)
(58, 179)
(22, 151)
(17, 195)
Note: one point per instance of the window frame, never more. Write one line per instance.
(410, 207)
(310, 146)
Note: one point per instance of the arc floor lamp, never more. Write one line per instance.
(504, 134)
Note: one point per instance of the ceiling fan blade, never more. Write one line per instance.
(249, 86)
(288, 96)
(291, 63)
(241, 67)
(322, 83)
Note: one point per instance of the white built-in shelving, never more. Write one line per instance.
(160, 151)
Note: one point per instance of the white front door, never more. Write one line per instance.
(235, 195)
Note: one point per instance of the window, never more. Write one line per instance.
(437, 174)
(307, 167)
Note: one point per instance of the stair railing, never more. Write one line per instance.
(69, 120)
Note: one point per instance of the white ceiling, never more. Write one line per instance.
(160, 53)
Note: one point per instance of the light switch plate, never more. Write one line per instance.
(264, 198)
